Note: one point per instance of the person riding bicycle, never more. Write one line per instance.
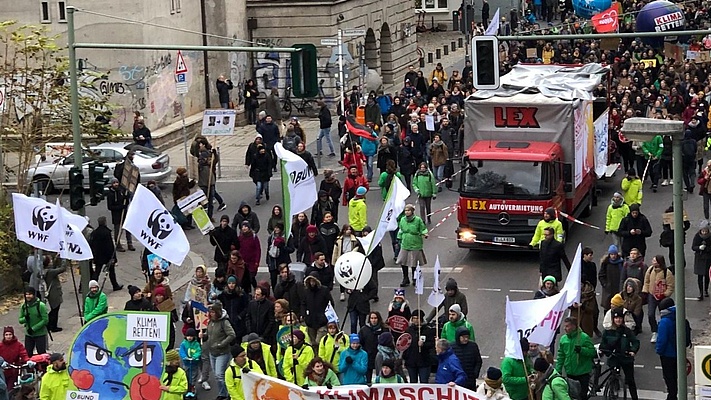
(620, 345)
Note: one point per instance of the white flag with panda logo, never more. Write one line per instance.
(149, 222)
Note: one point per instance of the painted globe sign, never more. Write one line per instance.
(660, 16)
(587, 8)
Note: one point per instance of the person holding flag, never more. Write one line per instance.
(411, 232)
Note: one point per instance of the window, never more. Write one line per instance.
(45, 16)
(62, 11)
(435, 5)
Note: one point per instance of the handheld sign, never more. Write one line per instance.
(148, 326)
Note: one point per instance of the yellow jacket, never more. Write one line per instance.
(328, 351)
(268, 359)
(357, 213)
(440, 75)
(233, 378)
(543, 224)
(633, 191)
(178, 386)
(304, 357)
(54, 385)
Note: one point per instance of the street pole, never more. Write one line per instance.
(679, 289)
(84, 266)
(645, 129)
(340, 71)
(185, 136)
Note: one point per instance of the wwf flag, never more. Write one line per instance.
(153, 226)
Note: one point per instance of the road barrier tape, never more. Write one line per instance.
(444, 219)
(441, 209)
(577, 221)
(450, 178)
(485, 242)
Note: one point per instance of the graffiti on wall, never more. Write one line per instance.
(272, 69)
(239, 62)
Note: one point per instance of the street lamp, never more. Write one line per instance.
(644, 129)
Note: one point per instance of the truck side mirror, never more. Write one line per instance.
(567, 178)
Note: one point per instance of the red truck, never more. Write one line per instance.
(527, 152)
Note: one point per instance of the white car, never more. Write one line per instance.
(52, 175)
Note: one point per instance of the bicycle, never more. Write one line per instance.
(609, 381)
(29, 373)
(308, 107)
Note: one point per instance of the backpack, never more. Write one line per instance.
(289, 143)
(688, 149)
(574, 388)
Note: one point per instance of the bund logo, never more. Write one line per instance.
(43, 218)
(160, 223)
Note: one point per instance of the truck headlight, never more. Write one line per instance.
(467, 236)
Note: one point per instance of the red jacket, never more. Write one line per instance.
(15, 353)
(251, 251)
(357, 159)
(350, 185)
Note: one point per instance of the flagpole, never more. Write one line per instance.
(76, 294)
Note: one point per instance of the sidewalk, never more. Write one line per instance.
(128, 272)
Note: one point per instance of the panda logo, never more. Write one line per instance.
(160, 223)
(43, 218)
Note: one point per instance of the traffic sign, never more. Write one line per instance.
(180, 66)
(354, 32)
(329, 42)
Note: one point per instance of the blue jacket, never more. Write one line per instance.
(354, 373)
(369, 147)
(385, 102)
(450, 369)
(666, 333)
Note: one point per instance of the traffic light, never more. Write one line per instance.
(76, 189)
(467, 18)
(97, 182)
(485, 65)
(304, 71)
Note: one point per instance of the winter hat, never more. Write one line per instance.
(332, 322)
(634, 207)
(613, 249)
(159, 291)
(354, 338)
(133, 290)
(389, 362)
(217, 308)
(366, 229)
(617, 312)
(361, 191)
(322, 193)
(93, 283)
(191, 332)
(262, 114)
(311, 229)
(399, 293)
(8, 329)
(257, 136)
(385, 339)
(541, 365)
(236, 350)
(419, 314)
(55, 357)
(549, 278)
(631, 172)
(113, 180)
(456, 308)
(666, 303)
(232, 279)
(550, 211)
(172, 356)
(220, 273)
(245, 223)
(299, 334)
(617, 301)
(703, 224)
(451, 284)
(225, 218)
(252, 337)
(617, 194)
(265, 287)
(493, 374)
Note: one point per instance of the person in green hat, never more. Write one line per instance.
(549, 287)
(174, 381)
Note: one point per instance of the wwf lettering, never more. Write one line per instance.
(150, 240)
(38, 236)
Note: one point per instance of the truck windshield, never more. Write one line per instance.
(506, 178)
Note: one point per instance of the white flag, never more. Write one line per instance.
(153, 226)
(493, 28)
(331, 315)
(73, 245)
(436, 297)
(536, 320)
(419, 282)
(394, 206)
(298, 185)
(36, 222)
(513, 340)
(572, 281)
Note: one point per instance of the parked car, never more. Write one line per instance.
(52, 175)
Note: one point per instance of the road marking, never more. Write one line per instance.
(489, 289)
(485, 357)
(520, 291)
(657, 367)
(426, 288)
(691, 298)
(651, 394)
(638, 366)
(448, 270)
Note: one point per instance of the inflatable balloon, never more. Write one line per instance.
(660, 16)
(348, 270)
(587, 8)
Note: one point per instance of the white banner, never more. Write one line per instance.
(72, 245)
(153, 226)
(419, 282)
(394, 206)
(298, 185)
(601, 127)
(493, 28)
(436, 297)
(538, 319)
(218, 122)
(258, 386)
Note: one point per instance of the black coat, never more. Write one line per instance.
(117, 203)
(369, 341)
(588, 273)
(325, 275)
(416, 356)
(306, 156)
(307, 249)
(320, 208)
(334, 191)
(140, 305)
(359, 300)
(102, 246)
(314, 304)
(260, 318)
(235, 304)
(470, 358)
(269, 132)
(324, 118)
(223, 239)
(551, 254)
(261, 168)
(329, 232)
(385, 154)
(291, 291)
(223, 90)
(630, 241)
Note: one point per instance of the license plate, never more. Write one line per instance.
(504, 239)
